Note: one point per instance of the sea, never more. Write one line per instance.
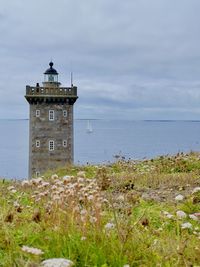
(106, 141)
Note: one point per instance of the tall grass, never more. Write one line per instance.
(98, 215)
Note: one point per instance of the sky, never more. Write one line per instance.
(132, 59)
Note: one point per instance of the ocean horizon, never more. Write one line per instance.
(132, 139)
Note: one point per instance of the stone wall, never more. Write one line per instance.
(61, 128)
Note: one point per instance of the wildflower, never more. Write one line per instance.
(168, 215)
(83, 238)
(25, 182)
(83, 212)
(186, 225)
(31, 250)
(56, 262)
(56, 197)
(197, 214)
(54, 176)
(155, 242)
(181, 214)
(81, 174)
(195, 190)
(10, 188)
(126, 265)
(90, 197)
(80, 180)
(179, 198)
(16, 204)
(36, 181)
(93, 219)
(109, 226)
(13, 191)
(44, 184)
(66, 179)
(193, 217)
(54, 187)
(120, 198)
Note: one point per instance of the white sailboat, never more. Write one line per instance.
(89, 127)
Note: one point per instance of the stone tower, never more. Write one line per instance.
(51, 123)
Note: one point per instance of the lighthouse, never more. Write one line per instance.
(51, 139)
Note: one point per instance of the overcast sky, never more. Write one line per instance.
(132, 59)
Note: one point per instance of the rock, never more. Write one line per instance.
(179, 197)
(56, 262)
(181, 214)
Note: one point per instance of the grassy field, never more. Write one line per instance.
(129, 213)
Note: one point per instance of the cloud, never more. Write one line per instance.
(135, 59)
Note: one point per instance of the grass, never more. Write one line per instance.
(111, 215)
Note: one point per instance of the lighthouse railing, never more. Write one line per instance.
(60, 91)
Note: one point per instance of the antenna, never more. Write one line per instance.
(71, 74)
(71, 79)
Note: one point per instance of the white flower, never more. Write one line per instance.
(179, 198)
(90, 197)
(25, 182)
(36, 181)
(81, 174)
(54, 176)
(195, 190)
(181, 214)
(126, 265)
(13, 191)
(93, 219)
(83, 238)
(83, 212)
(169, 216)
(120, 198)
(80, 180)
(186, 225)
(31, 250)
(193, 217)
(45, 184)
(55, 197)
(57, 263)
(109, 226)
(16, 204)
(11, 187)
(54, 187)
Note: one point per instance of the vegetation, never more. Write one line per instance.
(129, 213)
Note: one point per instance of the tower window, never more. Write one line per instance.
(51, 115)
(51, 145)
(37, 113)
(64, 113)
(37, 143)
(64, 143)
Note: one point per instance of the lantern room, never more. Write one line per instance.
(51, 75)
